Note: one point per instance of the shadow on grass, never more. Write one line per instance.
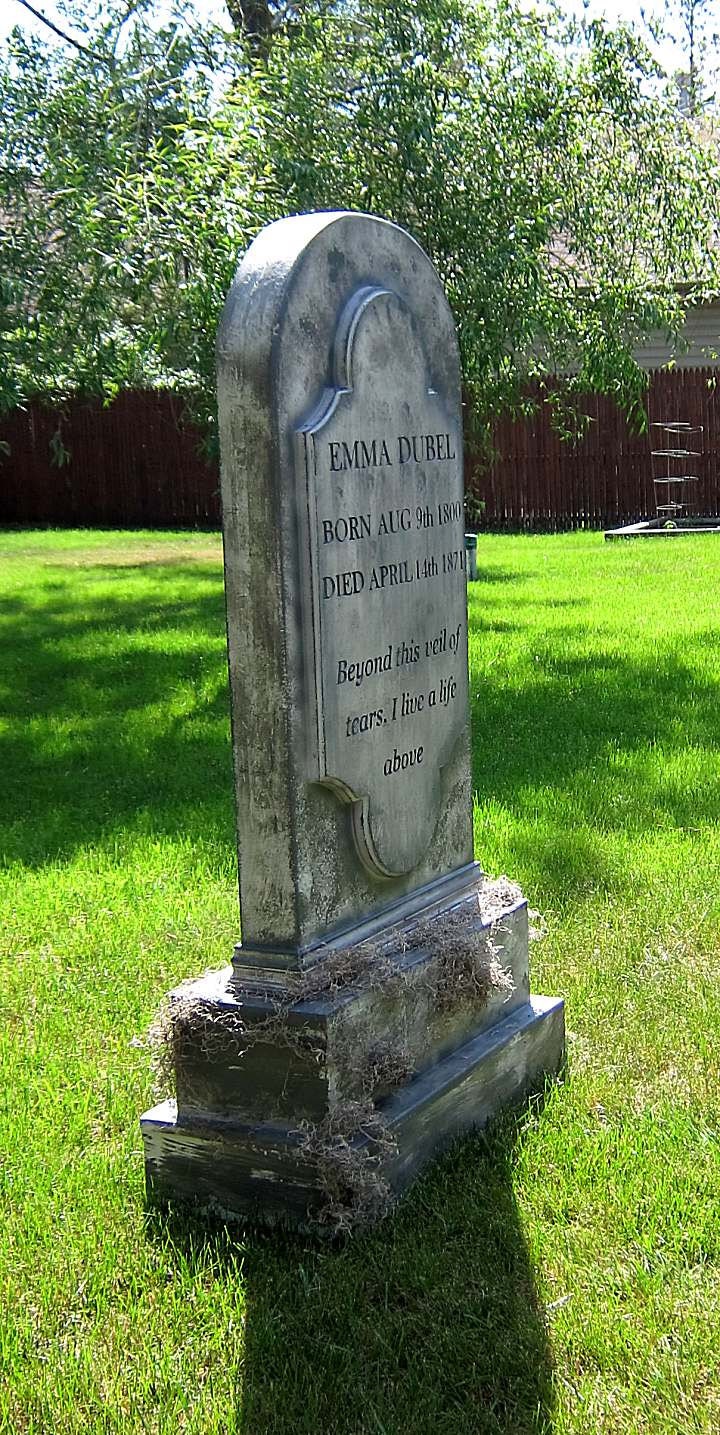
(116, 711)
(430, 1323)
(113, 686)
(576, 742)
(492, 574)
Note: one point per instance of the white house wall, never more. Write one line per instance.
(699, 346)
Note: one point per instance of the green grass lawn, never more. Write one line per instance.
(559, 1274)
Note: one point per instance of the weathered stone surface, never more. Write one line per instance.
(392, 1013)
(339, 401)
(263, 1172)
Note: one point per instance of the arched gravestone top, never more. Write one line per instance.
(341, 448)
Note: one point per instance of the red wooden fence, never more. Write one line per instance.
(135, 464)
(539, 481)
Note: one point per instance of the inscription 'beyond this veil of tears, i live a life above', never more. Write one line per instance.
(380, 460)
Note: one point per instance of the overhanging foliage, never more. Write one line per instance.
(561, 196)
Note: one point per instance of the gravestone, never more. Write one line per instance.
(379, 1000)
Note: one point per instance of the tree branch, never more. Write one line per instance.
(69, 39)
(281, 15)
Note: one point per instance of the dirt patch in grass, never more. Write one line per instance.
(128, 555)
(147, 555)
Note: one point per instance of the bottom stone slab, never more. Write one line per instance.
(349, 1169)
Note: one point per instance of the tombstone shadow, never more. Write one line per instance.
(430, 1323)
(587, 733)
(78, 674)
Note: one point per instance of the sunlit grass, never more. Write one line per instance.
(561, 1274)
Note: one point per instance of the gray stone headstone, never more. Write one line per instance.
(341, 441)
(379, 1002)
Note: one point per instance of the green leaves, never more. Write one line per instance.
(557, 192)
(112, 246)
(560, 195)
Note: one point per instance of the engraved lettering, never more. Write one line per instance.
(401, 761)
(349, 672)
(343, 585)
(397, 520)
(425, 447)
(346, 529)
(359, 723)
(359, 453)
(390, 575)
(454, 562)
(407, 653)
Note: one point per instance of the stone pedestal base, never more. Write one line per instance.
(317, 1106)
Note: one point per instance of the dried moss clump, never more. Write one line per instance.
(184, 1025)
(466, 969)
(363, 965)
(363, 1073)
(348, 1148)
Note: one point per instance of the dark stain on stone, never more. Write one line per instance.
(336, 262)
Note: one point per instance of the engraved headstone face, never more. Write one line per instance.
(380, 460)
